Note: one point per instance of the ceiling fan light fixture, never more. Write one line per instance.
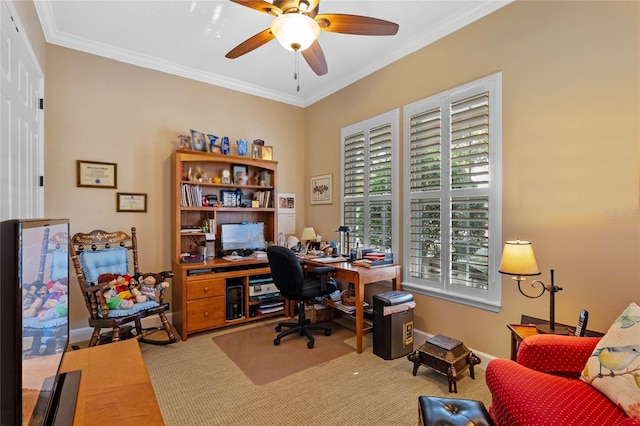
(294, 31)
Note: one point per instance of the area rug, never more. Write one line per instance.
(253, 351)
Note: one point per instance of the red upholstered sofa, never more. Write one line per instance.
(543, 388)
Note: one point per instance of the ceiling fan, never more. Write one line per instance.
(298, 24)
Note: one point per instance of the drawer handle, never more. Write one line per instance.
(206, 314)
(206, 289)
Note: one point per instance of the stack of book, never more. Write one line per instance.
(190, 229)
(191, 195)
(372, 259)
(263, 198)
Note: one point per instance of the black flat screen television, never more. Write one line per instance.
(34, 323)
(242, 236)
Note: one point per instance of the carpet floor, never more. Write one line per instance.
(196, 383)
(291, 356)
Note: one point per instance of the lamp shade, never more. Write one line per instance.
(295, 31)
(308, 234)
(518, 259)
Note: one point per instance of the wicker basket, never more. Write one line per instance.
(348, 298)
(320, 315)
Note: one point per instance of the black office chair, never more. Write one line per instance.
(295, 284)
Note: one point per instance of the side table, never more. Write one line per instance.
(527, 328)
(519, 332)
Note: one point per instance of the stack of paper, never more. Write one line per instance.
(346, 308)
(267, 308)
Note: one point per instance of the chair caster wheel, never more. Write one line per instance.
(276, 342)
(310, 345)
(278, 328)
(327, 332)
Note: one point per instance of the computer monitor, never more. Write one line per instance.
(242, 236)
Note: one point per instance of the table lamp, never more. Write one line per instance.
(519, 260)
(308, 235)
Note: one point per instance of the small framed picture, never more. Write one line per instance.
(127, 202)
(240, 174)
(229, 198)
(266, 152)
(215, 149)
(95, 174)
(322, 189)
(198, 141)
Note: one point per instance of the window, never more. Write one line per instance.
(452, 196)
(369, 181)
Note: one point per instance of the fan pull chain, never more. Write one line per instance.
(296, 72)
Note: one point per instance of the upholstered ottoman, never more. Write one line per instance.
(436, 411)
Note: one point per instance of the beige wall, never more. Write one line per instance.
(102, 110)
(570, 132)
(570, 152)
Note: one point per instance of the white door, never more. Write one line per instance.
(21, 147)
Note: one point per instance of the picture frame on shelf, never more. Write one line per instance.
(266, 152)
(198, 141)
(240, 174)
(129, 202)
(97, 174)
(229, 198)
(322, 189)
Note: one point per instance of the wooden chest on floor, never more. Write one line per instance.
(446, 356)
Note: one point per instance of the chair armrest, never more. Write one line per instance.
(322, 272)
(561, 355)
(166, 274)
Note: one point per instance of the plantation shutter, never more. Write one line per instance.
(368, 168)
(449, 199)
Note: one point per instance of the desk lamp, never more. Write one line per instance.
(308, 235)
(519, 260)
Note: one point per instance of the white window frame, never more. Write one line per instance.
(391, 118)
(490, 298)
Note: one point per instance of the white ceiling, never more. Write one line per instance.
(190, 38)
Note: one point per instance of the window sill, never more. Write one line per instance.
(456, 298)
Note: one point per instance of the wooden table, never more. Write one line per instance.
(360, 276)
(519, 332)
(115, 387)
(527, 328)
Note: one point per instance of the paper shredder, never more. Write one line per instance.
(393, 324)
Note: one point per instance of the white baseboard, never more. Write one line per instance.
(84, 334)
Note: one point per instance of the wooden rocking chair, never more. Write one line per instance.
(100, 252)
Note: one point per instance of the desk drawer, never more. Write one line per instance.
(205, 287)
(205, 313)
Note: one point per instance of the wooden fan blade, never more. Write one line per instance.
(315, 58)
(251, 43)
(260, 6)
(355, 24)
